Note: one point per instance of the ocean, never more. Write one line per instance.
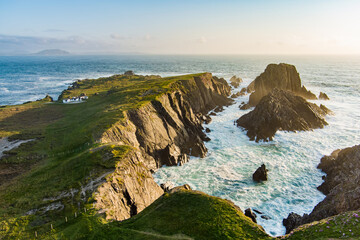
(227, 170)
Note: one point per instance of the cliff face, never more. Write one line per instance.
(282, 110)
(163, 132)
(282, 76)
(341, 187)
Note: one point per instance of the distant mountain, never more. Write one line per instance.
(52, 52)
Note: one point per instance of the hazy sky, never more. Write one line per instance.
(182, 27)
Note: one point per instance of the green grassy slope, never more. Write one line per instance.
(182, 215)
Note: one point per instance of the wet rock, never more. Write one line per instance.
(250, 214)
(235, 81)
(323, 96)
(291, 222)
(260, 174)
(238, 94)
(207, 130)
(206, 119)
(198, 150)
(219, 109)
(265, 217)
(257, 211)
(244, 106)
(281, 110)
(212, 114)
(282, 76)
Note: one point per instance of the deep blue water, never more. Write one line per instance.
(226, 171)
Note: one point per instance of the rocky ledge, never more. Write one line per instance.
(282, 110)
(282, 76)
(341, 187)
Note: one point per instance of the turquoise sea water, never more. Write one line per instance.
(226, 171)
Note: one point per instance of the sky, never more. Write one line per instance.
(181, 27)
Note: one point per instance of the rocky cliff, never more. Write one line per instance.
(282, 110)
(163, 132)
(282, 76)
(341, 187)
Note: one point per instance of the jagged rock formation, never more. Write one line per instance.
(164, 132)
(281, 110)
(281, 76)
(323, 96)
(235, 81)
(260, 174)
(341, 187)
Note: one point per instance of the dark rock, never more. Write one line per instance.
(129, 73)
(257, 211)
(218, 109)
(292, 222)
(172, 155)
(207, 130)
(235, 81)
(341, 186)
(212, 114)
(281, 110)
(323, 96)
(238, 94)
(265, 217)
(260, 174)
(244, 106)
(250, 214)
(206, 119)
(282, 76)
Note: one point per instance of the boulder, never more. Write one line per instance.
(251, 215)
(219, 109)
(260, 174)
(244, 106)
(282, 76)
(129, 73)
(207, 130)
(281, 110)
(323, 96)
(235, 81)
(198, 150)
(180, 188)
(266, 217)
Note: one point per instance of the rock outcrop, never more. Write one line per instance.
(260, 174)
(341, 187)
(281, 110)
(235, 81)
(282, 76)
(250, 214)
(165, 131)
(323, 96)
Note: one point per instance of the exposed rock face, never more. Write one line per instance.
(162, 132)
(235, 81)
(282, 76)
(291, 222)
(281, 110)
(244, 106)
(250, 214)
(251, 87)
(341, 187)
(323, 96)
(260, 174)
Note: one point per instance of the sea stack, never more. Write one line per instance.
(282, 110)
(260, 174)
(282, 76)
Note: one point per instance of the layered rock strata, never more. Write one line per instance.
(281, 110)
(282, 76)
(165, 131)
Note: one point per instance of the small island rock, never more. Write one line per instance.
(260, 174)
